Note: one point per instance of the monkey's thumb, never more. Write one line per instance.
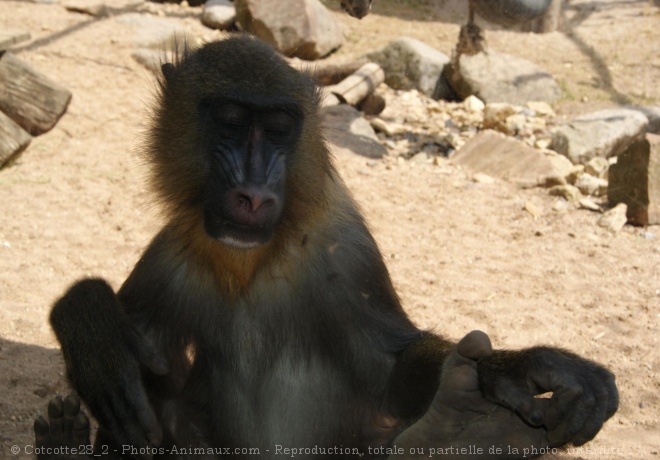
(475, 345)
(144, 351)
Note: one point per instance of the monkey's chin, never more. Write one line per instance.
(239, 244)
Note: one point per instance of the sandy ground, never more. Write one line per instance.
(463, 255)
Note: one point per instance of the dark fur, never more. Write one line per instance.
(299, 342)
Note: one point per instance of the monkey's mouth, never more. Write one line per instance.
(235, 235)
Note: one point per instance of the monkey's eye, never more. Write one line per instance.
(279, 123)
(232, 115)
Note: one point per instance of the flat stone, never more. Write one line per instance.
(605, 133)
(492, 153)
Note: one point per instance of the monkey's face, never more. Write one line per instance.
(247, 150)
(235, 146)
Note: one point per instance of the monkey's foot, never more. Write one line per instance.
(65, 435)
(463, 423)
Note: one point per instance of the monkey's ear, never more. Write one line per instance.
(168, 70)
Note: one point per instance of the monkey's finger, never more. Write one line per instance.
(81, 430)
(475, 345)
(55, 418)
(71, 410)
(145, 416)
(122, 423)
(531, 409)
(41, 431)
(144, 351)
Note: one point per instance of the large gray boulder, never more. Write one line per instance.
(499, 77)
(301, 28)
(605, 133)
(410, 64)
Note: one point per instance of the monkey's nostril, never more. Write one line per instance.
(245, 202)
(253, 201)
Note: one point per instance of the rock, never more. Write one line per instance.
(410, 64)
(534, 210)
(552, 180)
(420, 157)
(380, 125)
(494, 154)
(85, 7)
(498, 77)
(597, 167)
(560, 163)
(588, 203)
(345, 127)
(153, 32)
(542, 108)
(481, 178)
(590, 185)
(219, 14)
(568, 192)
(604, 133)
(473, 104)
(574, 174)
(653, 116)
(615, 218)
(635, 180)
(304, 28)
(544, 144)
(496, 114)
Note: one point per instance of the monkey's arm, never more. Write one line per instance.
(103, 352)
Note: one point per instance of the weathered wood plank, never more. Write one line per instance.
(13, 139)
(8, 38)
(30, 98)
(359, 85)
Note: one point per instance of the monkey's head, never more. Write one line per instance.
(231, 127)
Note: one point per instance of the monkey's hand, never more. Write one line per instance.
(104, 353)
(461, 423)
(584, 394)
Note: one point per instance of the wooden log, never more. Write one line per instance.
(331, 73)
(30, 98)
(328, 99)
(359, 85)
(9, 38)
(13, 139)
